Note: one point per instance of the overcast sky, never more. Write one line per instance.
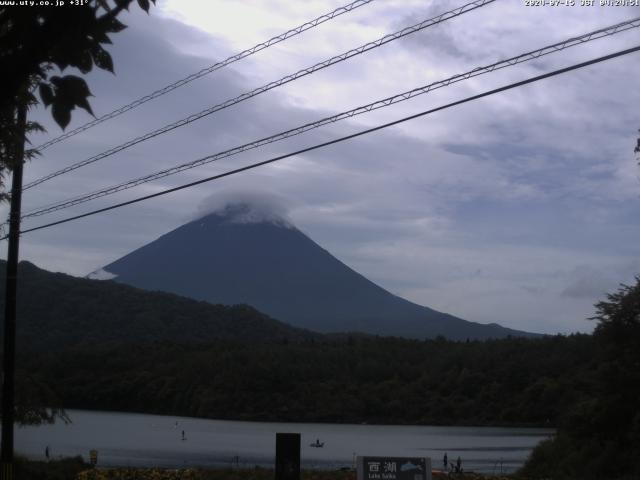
(520, 209)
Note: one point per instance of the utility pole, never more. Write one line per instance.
(8, 365)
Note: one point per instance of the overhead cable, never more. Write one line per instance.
(341, 139)
(401, 97)
(282, 81)
(205, 71)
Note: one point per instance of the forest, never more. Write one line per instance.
(58, 312)
(338, 379)
(99, 345)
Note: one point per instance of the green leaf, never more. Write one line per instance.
(102, 58)
(61, 63)
(84, 62)
(61, 114)
(144, 4)
(84, 103)
(56, 81)
(123, 3)
(101, 37)
(75, 86)
(114, 25)
(31, 99)
(104, 4)
(77, 91)
(34, 127)
(71, 91)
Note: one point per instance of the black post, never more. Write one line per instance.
(287, 456)
(6, 455)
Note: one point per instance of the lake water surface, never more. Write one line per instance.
(126, 439)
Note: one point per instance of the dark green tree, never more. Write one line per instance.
(600, 438)
(37, 44)
(618, 335)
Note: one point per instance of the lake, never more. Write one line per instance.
(126, 439)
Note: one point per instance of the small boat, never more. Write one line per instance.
(318, 444)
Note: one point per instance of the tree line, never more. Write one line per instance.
(337, 379)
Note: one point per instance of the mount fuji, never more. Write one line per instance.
(239, 255)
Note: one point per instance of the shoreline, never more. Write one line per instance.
(526, 425)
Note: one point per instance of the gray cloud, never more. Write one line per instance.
(594, 283)
(528, 187)
(589, 283)
(252, 206)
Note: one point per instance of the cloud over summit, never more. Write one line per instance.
(243, 206)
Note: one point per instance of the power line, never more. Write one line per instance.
(342, 139)
(212, 68)
(528, 56)
(282, 81)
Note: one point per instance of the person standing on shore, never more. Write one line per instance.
(46, 452)
(459, 465)
(445, 461)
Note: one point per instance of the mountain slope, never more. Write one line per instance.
(57, 311)
(235, 257)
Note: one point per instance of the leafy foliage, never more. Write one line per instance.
(35, 402)
(38, 39)
(600, 437)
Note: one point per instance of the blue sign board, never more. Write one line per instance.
(394, 468)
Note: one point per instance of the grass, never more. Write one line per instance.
(77, 469)
(64, 469)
